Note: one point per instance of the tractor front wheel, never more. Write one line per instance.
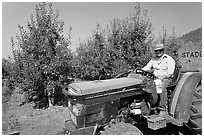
(121, 128)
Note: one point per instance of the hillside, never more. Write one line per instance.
(193, 36)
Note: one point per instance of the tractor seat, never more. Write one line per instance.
(176, 76)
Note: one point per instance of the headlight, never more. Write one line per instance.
(77, 108)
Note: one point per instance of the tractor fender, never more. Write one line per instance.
(182, 98)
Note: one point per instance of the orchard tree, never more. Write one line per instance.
(126, 42)
(44, 53)
(131, 38)
(90, 56)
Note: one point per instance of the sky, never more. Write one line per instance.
(83, 17)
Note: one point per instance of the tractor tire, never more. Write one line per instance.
(121, 128)
(195, 121)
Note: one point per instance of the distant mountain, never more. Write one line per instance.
(193, 36)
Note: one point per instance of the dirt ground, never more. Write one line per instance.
(30, 121)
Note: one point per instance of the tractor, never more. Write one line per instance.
(120, 105)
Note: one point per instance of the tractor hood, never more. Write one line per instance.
(91, 87)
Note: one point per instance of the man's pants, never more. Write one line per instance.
(163, 95)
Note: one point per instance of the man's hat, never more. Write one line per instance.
(159, 46)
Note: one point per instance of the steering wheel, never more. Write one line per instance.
(145, 73)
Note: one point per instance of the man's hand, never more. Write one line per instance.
(169, 76)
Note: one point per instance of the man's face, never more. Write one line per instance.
(159, 52)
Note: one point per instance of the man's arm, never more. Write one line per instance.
(148, 66)
(171, 66)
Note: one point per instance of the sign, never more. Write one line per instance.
(190, 57)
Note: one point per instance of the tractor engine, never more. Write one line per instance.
(97, 102)
(140, 104)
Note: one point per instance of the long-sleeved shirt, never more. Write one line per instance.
(162, 67)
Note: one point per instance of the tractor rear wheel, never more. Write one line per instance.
(195, 121)
(121, 128)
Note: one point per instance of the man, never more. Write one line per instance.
(162, 66)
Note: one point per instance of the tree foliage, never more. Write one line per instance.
(43, 54)
(6, 68)
(123, 44)
(89, 61)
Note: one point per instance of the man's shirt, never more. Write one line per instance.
(162, 67)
